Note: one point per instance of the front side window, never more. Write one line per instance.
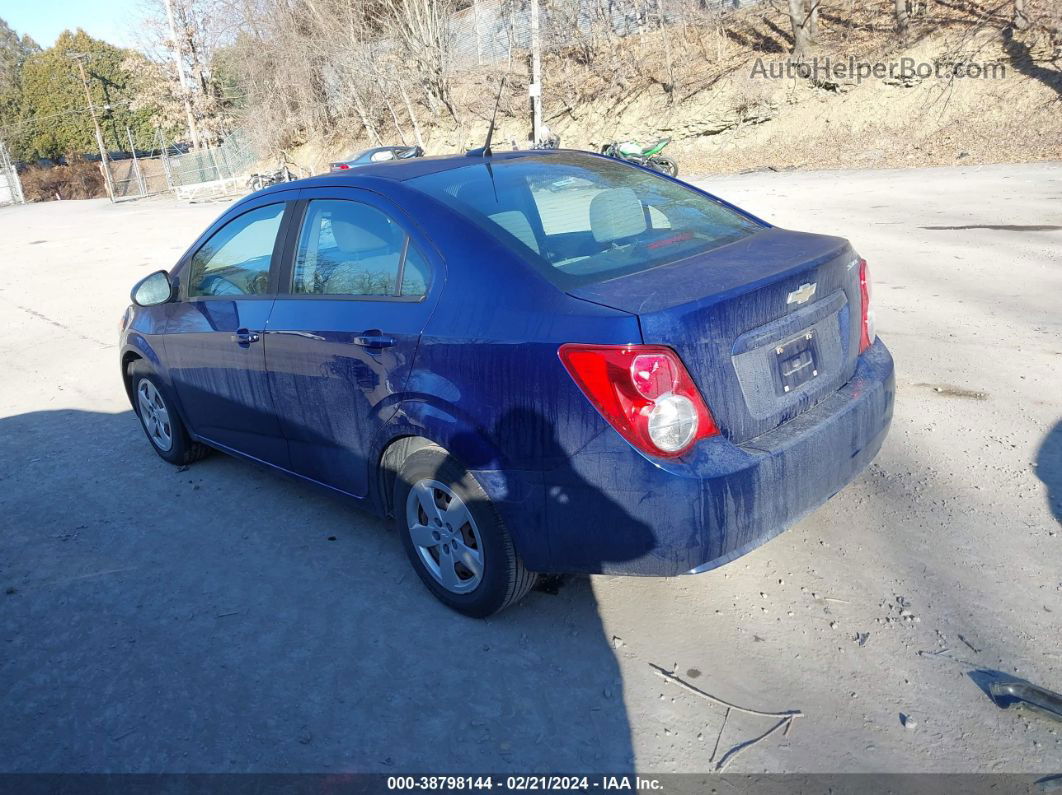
(351, 249)
(581, 219)
(235, 260)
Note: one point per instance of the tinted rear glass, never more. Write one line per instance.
(582, 219)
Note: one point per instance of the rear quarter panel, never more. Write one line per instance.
(487, 383)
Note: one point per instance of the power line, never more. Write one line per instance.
(72, 111)
(35, 119)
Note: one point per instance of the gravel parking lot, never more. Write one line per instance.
(223, 618)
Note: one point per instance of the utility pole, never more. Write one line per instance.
(535, 89)
(104, 162)
(185, 90)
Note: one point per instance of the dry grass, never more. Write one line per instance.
(80, 179)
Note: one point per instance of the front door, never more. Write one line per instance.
(214, 336)
(344, 330)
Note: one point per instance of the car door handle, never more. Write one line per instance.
(244, 338)
(374, 339)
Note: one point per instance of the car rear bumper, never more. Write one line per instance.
(611, 510)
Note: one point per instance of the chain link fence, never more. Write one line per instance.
(213, 170)
(494, 31)
(10, 185)
(207, 172)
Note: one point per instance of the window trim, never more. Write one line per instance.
(291, 247)
(274, 261)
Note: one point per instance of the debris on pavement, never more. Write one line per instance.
(785, 718)
(1040, 699)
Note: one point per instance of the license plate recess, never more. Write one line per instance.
(796, 362)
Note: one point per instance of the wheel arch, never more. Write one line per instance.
(518, 496)
(418, 424)
(390, 463)
(127, 362)
(138, 350)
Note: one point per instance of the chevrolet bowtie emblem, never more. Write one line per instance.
(802, 294)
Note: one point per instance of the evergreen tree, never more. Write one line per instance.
(14, 51)
(53, 117)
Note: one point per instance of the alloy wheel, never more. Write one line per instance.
(154, 415)
(445, 536)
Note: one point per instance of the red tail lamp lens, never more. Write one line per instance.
(867, 332)
(644, 392)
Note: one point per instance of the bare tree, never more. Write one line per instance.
(813, 21)
(1019, 21)
(799, 19)
(422, 30)
(902, 19)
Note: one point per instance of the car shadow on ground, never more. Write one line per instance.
(223, 618)
(1049, 469)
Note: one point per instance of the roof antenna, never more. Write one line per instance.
(484, 151)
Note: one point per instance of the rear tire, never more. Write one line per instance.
(159, 419)
(665, 165)
(454, 537)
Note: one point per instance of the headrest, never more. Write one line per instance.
(372, 232)
(616, 213)
(516, 224)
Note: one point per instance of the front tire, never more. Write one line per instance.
(454, 537)
(159, 419)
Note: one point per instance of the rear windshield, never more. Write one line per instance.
(583, 219)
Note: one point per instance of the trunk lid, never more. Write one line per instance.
(767, 326)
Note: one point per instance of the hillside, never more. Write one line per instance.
(725, 113)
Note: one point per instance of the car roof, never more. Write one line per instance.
(401, 170)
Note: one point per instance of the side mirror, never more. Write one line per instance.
(153, 290)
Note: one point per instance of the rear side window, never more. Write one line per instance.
(583, 219)
(351, 249)
(235, 260)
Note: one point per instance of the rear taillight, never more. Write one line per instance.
(867, 333)
(644, 392)
(342, 166)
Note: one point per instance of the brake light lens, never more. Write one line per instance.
(867, 333)
(342, 166)
(644, 392)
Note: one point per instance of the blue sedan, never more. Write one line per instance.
(532, 362)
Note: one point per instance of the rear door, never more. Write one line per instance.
(358, 286)
(214, 332)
